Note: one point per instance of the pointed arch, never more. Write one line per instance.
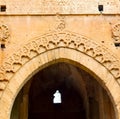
(56, 47)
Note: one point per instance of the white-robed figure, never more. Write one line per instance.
(57, 97)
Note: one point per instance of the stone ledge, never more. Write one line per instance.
(60, 6)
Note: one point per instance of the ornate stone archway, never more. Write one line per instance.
(55, 47)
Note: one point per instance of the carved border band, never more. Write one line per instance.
(54, 40)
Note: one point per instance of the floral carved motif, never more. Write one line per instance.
(4, 33)
(54, 40)
(116, 33)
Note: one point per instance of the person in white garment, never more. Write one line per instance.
(57, 97)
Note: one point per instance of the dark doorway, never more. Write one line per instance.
(82, 96)
(44, 85)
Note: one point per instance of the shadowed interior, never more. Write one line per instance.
(82, 96)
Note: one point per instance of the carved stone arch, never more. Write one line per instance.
(55, 47)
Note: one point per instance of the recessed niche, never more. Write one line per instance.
(100, 8)
(2, 8)
(2, 46)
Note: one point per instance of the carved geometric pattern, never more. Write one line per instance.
(4, 33)
(54, 40)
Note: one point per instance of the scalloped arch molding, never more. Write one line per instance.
(55, 47)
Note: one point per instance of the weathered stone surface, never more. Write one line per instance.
(61, 6)
(37, 33)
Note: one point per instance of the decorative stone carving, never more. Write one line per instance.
(61, 23)
(116, 33)
(60, 39)
(4, 33)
